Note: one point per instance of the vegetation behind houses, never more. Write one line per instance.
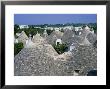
(17, 48)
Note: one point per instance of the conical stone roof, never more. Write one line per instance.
(29, 44)
(40, 62)
(34, 62)
(54, 36)
(22, 37)
(38, 39)
(85, 58)
(70, 37)
(43, 60)
(91, 38)
(67, 34)
(85, 42)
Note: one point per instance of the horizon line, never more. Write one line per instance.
(56, 24)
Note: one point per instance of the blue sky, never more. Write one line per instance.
(34, 19)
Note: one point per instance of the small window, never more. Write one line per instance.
(58, 43)
(77, 71)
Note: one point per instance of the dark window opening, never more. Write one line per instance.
(92, 73)
(77, 71)
(58, 43)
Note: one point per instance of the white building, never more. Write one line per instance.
(15, 40)
(92, 31)
(23, 26)
(57, 29)
(58, 41)
(49, 28)
(72, 46)
(45, 33)
(68, 27)
(78, 28)
(29, 42)
(80, 33)
(37, 27)
(18, 34)
(87, 28)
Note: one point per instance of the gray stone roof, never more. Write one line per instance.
(23, 37)
(33, 62)
(67, 37)
(85, 38)
(43, 60)
(91, 38)
(95, 44)
(40, 62)
(38, 39)
(85, 58)
(54, 36)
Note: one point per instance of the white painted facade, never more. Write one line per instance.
(49, 28)
(57, 29)
(68, 27)
(87, 28)
(78, 28)
(23, 26)
(15, 40)
(29, 43)
(72, 46)
(58, 41)
(45, 33)
(18, 34)
(37, 27)
(80, 33)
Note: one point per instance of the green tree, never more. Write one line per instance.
(62, 30)
(17, 48)
(49, 31)
(95, 29)
(60, 48)
(31, 26)
(16, 28)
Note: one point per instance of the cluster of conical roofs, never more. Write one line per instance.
(39, 58)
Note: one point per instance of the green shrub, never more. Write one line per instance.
(62, 30)
(60, 48)
(18, 47)
(49, 31)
